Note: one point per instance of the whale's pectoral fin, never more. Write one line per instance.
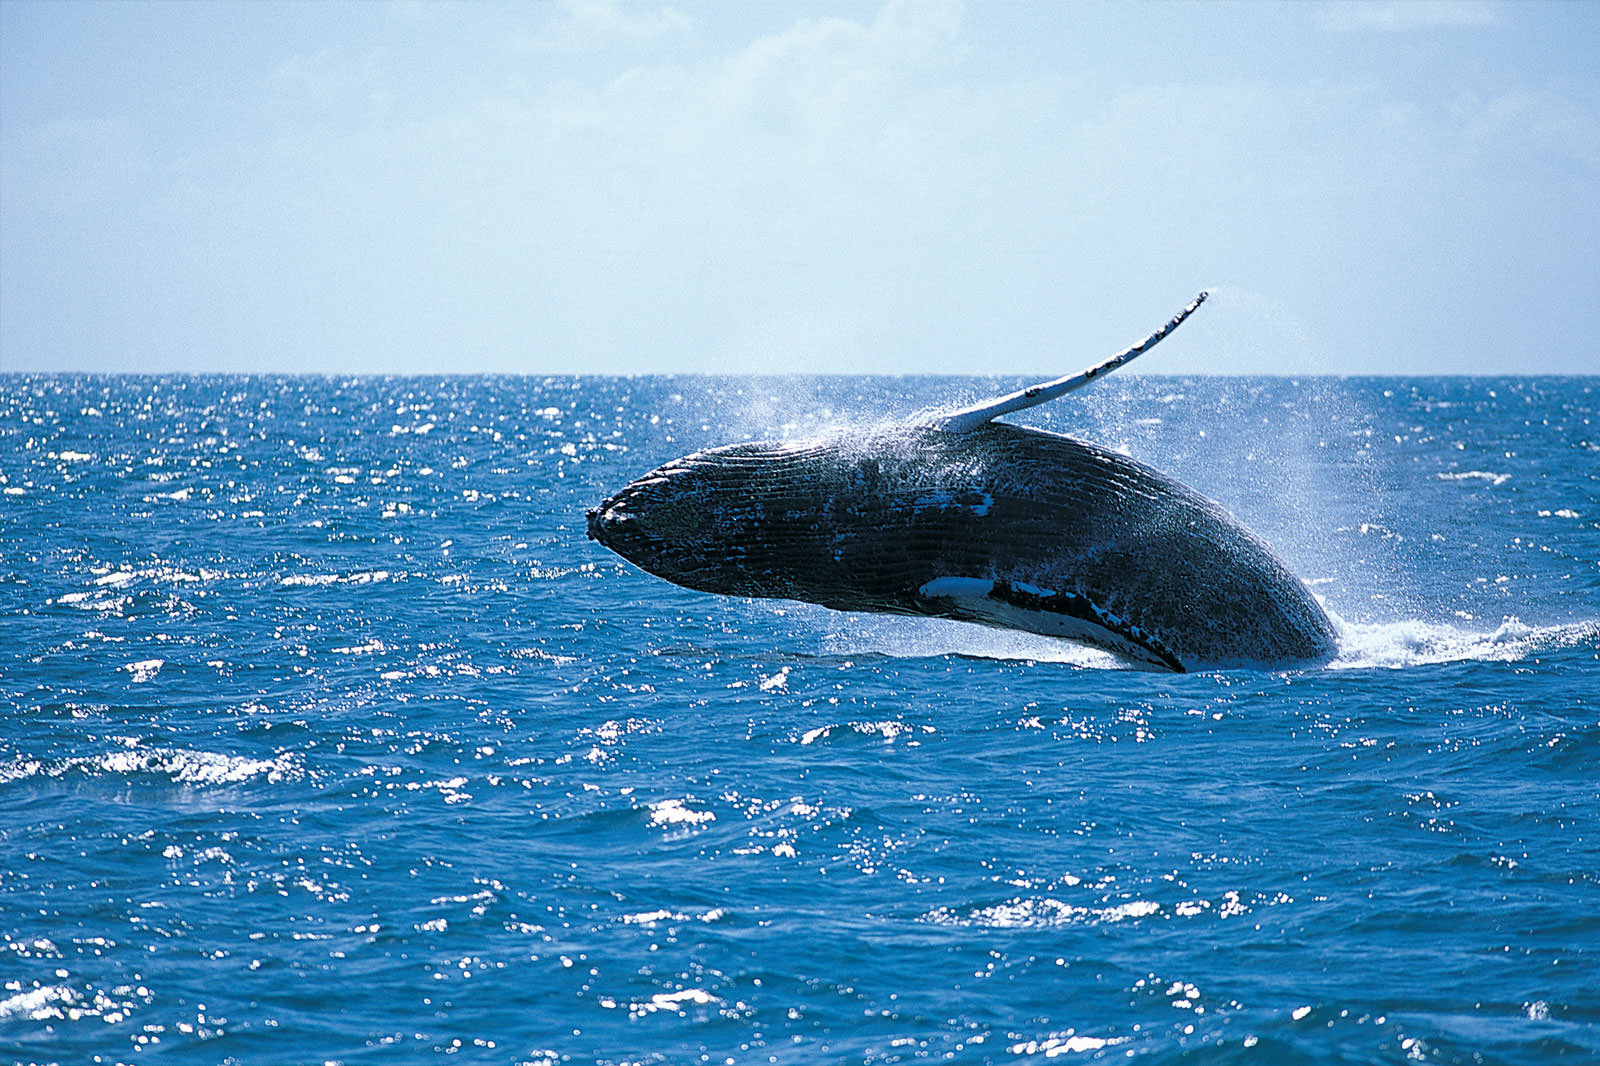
(1067, 615)
(969, 418)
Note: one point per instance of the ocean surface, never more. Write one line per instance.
(329, 737)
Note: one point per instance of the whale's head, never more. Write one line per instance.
(856, 521)
(659, 517)
(710, 521)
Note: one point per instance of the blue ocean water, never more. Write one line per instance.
(329, 737)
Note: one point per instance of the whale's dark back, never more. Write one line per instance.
(865, 522)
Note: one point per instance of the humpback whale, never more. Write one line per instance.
(956, 515)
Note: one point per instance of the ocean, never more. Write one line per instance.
(330, 737)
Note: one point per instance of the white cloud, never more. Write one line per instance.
(587, 23)
(768, 196)
(1400, 16)
(1523, 121)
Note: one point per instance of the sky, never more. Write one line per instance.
(822, 187)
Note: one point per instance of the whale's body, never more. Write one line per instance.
(980, 521)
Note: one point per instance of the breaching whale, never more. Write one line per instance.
(959, 516)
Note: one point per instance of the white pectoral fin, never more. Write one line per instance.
(1065, 615)
(969, 418)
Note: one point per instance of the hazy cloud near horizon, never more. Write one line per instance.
(817, 187)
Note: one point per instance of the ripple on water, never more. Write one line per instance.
(342, 703)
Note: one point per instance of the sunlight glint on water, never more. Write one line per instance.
(329, 734)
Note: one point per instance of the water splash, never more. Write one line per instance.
(1382, 645)
(1407, 643)
(927, 638)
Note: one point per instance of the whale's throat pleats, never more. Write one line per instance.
(1051, 612)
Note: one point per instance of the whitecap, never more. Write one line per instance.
(184, 766)
(1490, 476)
(357, 577)
(673, 812)
(293, 580)
(652, 917)
(675, 1000)
(648, 917)
(93, 601)
(890, 731)
(678, 1002)
(1032, 913)
(38, 1004)
(1068, 1043)
(368, 648)
(19, 770)
(144, 669)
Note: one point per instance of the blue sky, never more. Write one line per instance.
(798, 187)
